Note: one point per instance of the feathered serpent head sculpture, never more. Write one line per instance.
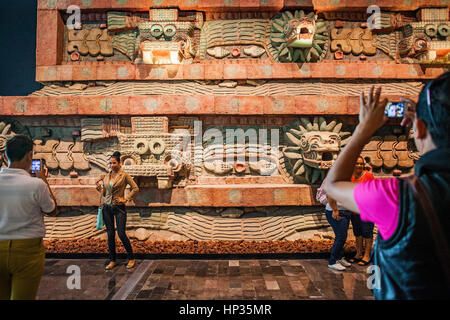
(313, 147)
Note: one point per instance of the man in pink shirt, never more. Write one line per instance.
(410, 262)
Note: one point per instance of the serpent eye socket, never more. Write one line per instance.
(156, 30)
(430, 30)
(170, 30)
(444, 30)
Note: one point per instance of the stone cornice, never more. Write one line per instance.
(182, 105)
(233, 70)
(239, 5)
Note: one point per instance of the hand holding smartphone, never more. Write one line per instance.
(36, 165)
(38, 169)
(394, 109)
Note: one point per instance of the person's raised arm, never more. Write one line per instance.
(371, 118)
(43, 176)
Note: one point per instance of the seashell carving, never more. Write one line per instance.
(218, 52)
(254, 51)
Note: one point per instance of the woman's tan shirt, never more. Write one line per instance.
(120, 183)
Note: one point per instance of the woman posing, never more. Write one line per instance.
(113, 187)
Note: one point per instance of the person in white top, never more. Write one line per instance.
(24, 200)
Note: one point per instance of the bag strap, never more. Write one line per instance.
(101, 197)
(420, 192)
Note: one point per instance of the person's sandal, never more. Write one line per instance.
(354, 260)
(363, 262)
(130, 264)
(110, 265)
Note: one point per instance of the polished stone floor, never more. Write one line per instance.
(163, 279)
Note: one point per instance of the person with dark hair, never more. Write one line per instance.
(363, 230)
(411, 254)
(24, 200)
(112, 186)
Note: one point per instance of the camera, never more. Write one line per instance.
(394, 109)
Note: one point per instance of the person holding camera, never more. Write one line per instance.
(412, 249)
(112, 186)
(24, 200)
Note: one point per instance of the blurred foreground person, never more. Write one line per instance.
(23, 202)
(412, 216)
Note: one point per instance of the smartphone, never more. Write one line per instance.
(394, 109)
(36, 165)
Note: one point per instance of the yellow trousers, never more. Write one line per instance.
(21, 267)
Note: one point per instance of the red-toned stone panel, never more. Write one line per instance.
(271, 5)
(115, 72)
(29, 106)
(103, 105)
(49, 38)
(322, 70)
(129, 4)
(252, 105)
(214, 71)
(185, 104)
(345, 70)
(247, 5)
(321, 104)
(145, 105)
(194, 71)
(84, 72)
(237, 71)
(296, 3)
(280, 105)
(401, 5)
(250, 4)
(2, 106)
(218, 5)
(63, 105)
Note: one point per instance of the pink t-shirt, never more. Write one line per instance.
(377, 201)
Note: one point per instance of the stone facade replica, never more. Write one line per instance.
(227, 113)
